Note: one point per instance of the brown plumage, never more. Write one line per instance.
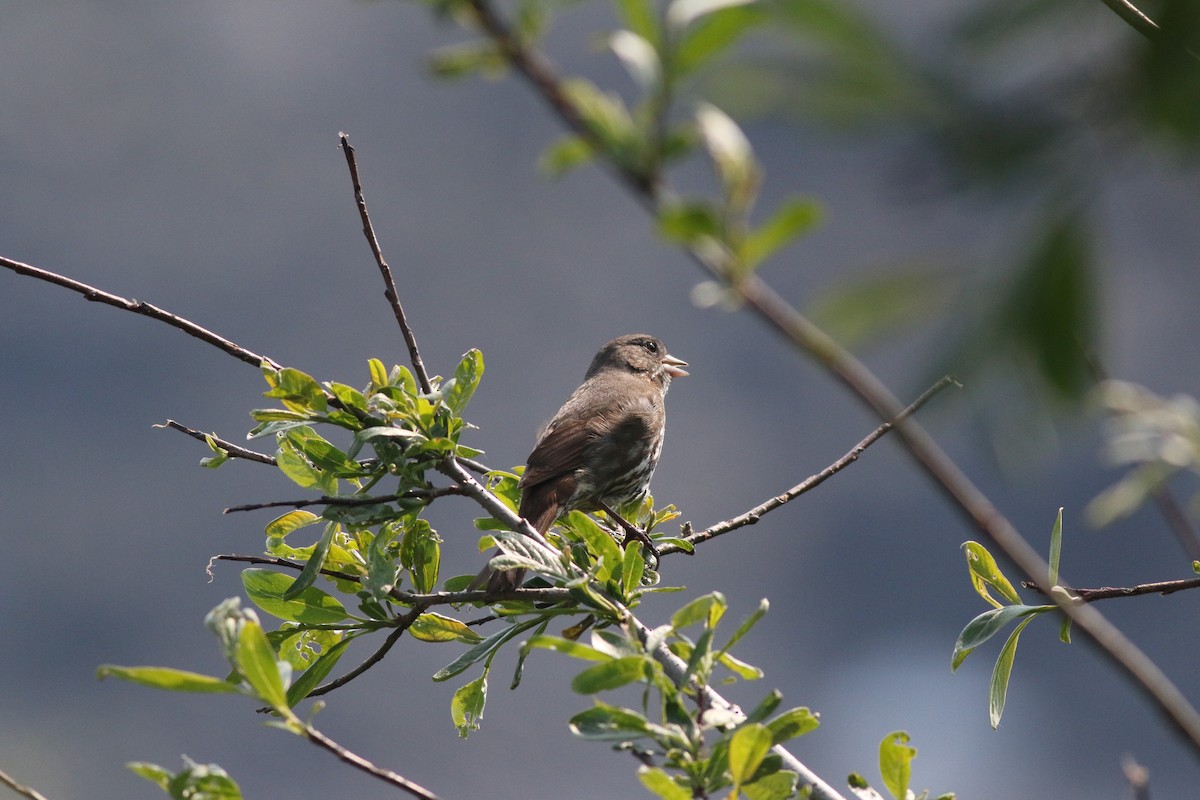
(600, 449)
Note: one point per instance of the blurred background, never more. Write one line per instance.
(1005, 186)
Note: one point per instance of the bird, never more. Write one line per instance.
(599, 450)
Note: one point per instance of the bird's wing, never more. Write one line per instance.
(559, 451)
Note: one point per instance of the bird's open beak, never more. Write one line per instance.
(673, 365)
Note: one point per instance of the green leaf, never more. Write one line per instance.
(986, 625)
(745, 671)
(300, 470)
(312, 567)
(172, 680)
(298, 391)
(681, 13)
(316, 672)
(641, 17)
(151, 772)
(270, 591)
(749, 622)
(984, 573)
(466, 380)
(466, 708)
(610, 675)
(706, 608)
(433, 627)
(792, 723)
(713, 34)
(895, 763)
(875, 306)
(1055, 548)
(193, 782)
(601, 543)
(564, 155)
(779, 785)
(731, 154)
(794, 217)
(998, 689)
(421, 555)
(747, 748)
(280, 527)
(687, 221)
(568, 647)
(633, 566)
(467, 58)
(603, 112)
(661, 784)
(256, 663)
(605, 722)
(639, 58)
(483, 649)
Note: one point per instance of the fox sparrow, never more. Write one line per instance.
(600, 449)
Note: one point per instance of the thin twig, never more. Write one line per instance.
(138, 307)
(405, 622)
(352, 500)
(24, 791)
(389, 282)
(235, 451)
(786, 320)
(1137, 776)
(808, 484)
(358, 762)
(1109, 592)
(551, 595)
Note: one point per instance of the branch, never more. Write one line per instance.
(677, 670)
(402, 625)
(24, 791)
(329, 500)
(453, 469)
(389, 282)
(782, 317)
(753, 515)
(1137, 20)
(1109, 592)
(550, 595)
(358, 762)
(91, 293)
(236, 451)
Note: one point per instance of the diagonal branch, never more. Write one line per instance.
(389, 282)
(1137, 19)
(787, 321)
(236, 451)
(351, 500)
(138, 307)
(24, 791)
(808, 484)
(358, 762)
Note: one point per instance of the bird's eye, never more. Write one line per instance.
(650, 345)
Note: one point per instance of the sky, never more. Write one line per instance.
(186, 155)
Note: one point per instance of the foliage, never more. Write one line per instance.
(986, 577)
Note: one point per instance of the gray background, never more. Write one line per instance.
(185, 154)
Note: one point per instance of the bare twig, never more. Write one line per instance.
(358, 762)
(24, 791)
(235, 451)
(1109, 592)
(138, 307)
(405, 622)
(808, 484)
(782, 317)
(389, 282)
(352, 500)
(409, 598)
